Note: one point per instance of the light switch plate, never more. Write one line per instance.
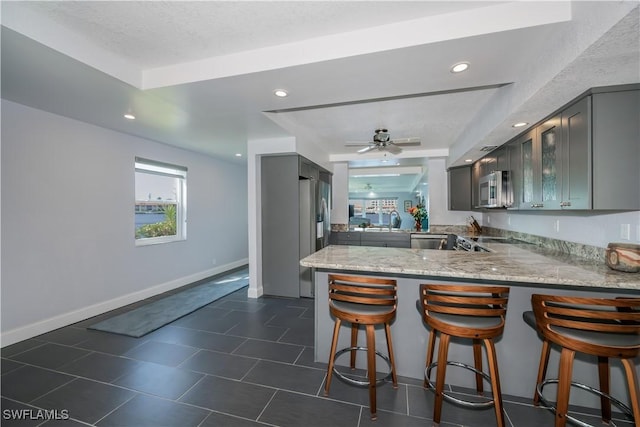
(625, 231)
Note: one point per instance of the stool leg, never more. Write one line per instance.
(603, 374)
(634, 392)
(495, 381)
(394, 377)
(332, 356)
(441, 370)
(354, 343)
(430, 349)
(542, 369)
(371, 369)
(564, 386)
(477, 361)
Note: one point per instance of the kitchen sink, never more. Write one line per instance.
(433, 241)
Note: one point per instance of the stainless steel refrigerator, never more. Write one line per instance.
(315, 225)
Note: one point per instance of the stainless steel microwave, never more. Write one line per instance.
(494, 190)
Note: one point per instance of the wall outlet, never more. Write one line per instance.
(556, 226)
(488, 219)
(214, 261)
(625, 231)
(508, 219)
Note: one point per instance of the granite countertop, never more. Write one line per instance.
(506, 262)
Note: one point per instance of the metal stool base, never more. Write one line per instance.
(353, 381)
(625, 409)
(451, 399)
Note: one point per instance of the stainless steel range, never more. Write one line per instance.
(469, 245)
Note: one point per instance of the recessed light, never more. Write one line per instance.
(238, 155)
(129, 116)
(468, 160)
(519, 124)
(460, 67)
(281, 93)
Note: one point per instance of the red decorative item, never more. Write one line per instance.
(418, 225)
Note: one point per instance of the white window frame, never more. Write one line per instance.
(172, 171)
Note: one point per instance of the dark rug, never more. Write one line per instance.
(149, 317)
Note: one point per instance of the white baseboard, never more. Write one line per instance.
(47, 325)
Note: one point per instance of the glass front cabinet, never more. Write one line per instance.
(538, 167)
(555, 162)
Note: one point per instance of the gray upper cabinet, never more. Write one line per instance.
(540, 166)
(549, 155)
(576, 149)
(476, 174)
(584, 157)
(460, 188)
(514, 155)
(616, 150)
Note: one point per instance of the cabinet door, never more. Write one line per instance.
(502, 158)
(550, 144)
(515, 175)
(576, 146)
(476, 174)
(529, 172)
(616, 150)
(460, 189)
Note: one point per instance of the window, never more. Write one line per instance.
(161, 202)
(374, 211)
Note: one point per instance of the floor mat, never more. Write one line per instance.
(148, 318)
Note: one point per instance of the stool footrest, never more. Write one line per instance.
(353, 381)
(625, 409)
(452, 399)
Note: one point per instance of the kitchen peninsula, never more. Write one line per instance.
(526, 268)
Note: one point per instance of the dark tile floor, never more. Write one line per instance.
(235, 362)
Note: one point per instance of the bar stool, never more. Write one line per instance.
(464, 311)
(605, 328)
(367, 301)
(530, 319)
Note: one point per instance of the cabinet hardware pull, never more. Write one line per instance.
(537, 205)
(563, 204)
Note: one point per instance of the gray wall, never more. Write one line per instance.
(68, 249)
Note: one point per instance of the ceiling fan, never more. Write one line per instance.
(383, 142)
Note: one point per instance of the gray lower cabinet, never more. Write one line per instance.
(372, 238)
(345, 238)
(382, 239)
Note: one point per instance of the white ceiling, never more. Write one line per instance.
(201, 75)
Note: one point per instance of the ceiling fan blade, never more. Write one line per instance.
(407, 141)
(393, 148)
(365, 149)
(356, 143)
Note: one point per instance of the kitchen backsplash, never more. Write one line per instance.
(576, 249)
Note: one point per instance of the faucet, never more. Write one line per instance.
(391, 218)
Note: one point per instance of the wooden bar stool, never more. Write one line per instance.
(605, 328)
(367, 301)
(464, 311)
(530, 319)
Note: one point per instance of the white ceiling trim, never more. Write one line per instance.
(450, 26)
(68, 42)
